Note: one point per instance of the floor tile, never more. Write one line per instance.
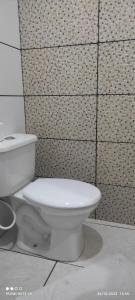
(61, 270)
(19, 270)
(97, 278)
(104, 241)
(109, 249)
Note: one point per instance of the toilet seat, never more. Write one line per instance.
(61, 193)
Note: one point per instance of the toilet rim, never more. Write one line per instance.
(64, 209)
(59, 193)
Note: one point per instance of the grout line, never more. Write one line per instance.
(80, 140)
(35, 255)
(24, 253)
(28, 254)
(116, 185)
(79, 44)
(96, 221)
(65, 139)
(50, 273)
(59, 46)
(11, 95)
(115, 41)
(25, 115)
(22, 68)
(79, 95)
(118, 142)
(121, 227)
(97, 98)
(19, 23)
(5, 44)
(117, 94)
(96, 150)
(71, 264)
(63, 95)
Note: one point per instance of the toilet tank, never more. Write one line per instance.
(17, 162)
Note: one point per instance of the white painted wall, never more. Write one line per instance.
(10, 71)
(12, 114)
(11, 87)
(9, 22)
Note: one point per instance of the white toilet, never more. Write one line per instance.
(63, 204)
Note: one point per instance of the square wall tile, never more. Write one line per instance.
(116, 164)
(19, 270)
(117, 20)
(10, 71)
(48, 23)
(116, 118)
(116, 68)
(61, 117)
(66, 70)
(66, 159)
(12, 114)
(117, 204)
(9, 23)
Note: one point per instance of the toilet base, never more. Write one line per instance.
(62, 245)
(66, 245)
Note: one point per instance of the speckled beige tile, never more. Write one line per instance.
(61, 117)
(19, 270)
(117, 19)
(56, 71)
(117, 204)
(67, 159)
(48, 23)
(116, 118)
(116, 68)
(116, 164)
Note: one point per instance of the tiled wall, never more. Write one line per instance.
(79, 83)
(11, 87)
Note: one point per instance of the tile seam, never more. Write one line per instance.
(78, 45)
(22, 67)
(50, 273)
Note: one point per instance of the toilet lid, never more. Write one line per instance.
(62, 193)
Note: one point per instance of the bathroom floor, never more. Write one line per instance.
(105, 270)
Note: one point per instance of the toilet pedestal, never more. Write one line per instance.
(66, 245)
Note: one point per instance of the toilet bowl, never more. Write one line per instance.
(63, 204)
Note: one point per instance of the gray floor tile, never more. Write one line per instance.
(19, 270)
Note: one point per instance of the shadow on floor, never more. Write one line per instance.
(93, 243)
